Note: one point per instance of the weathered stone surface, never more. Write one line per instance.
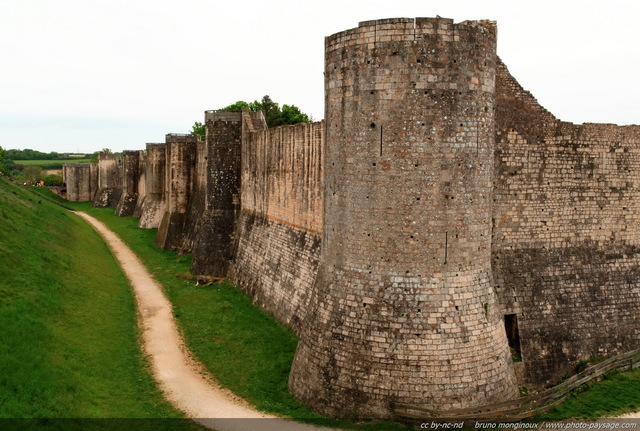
(566, 243)
(130, 183)
(403, 309)
(219, 202)
(109, 180)
(179, 184)
(81, 181)
(153, 206)
(438, 222)
(278, 246)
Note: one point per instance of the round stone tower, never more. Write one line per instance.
(404, 308)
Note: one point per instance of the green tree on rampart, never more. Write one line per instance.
(240, 105)
(198, 129)
(291, 114)
(274, 115)
(94, 156)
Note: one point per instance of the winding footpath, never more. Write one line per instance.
(183, 381)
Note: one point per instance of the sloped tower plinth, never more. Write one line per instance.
(405, 308)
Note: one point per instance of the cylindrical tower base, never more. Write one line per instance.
(405, 309)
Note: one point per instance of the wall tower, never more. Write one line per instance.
(180, 159)
(109, 180)
(214, 243)
(130, 183)
(405, 308)
(153, 207)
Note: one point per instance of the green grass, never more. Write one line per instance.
(615, 395)
(250, 353)
(50, 164)
(243, 346)
(69, 344)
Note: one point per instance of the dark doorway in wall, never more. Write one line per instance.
(513, 336)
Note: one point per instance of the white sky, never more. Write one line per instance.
(82, 75)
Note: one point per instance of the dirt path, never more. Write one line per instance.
(182, 380)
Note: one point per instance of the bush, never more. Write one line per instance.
(53, 180)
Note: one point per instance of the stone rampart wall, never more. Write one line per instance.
(179, 186)
(440, 217)
(81, 180)
(404, 308)
(278, 240)
(109, 180)
(131, 172)
(219, 204)
(566, 236)
(153, 206)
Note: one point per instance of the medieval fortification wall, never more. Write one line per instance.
(565, 235)
(437, 237)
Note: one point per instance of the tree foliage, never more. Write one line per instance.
(53, 180)
(291, 114)
(30, 174)
(274, 115)
(4, 167)
(199, 129)
(28, 154)
(240, 105)
(94, 156)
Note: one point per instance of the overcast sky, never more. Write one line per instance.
(82, 75)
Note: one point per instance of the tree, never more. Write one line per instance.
(240, 105)
(53, 180)
(94, 157)
(289, 114)
(3, 157)
(198, 129)
(272, 113)
(31, 174)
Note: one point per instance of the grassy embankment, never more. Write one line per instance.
(616, 394)
(250, 353)
(244, 347)
(69, 340)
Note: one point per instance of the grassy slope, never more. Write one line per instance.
(616, 394)
(220, 327)
(69, 339)
(244, 347)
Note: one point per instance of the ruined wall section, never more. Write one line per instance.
(81, 180)
(278, 243)
(131, 170)
(405, 309)
(219, 174)
(109, 180)
(178, 187)
(142, 183)
(153, 207)
(566, 241)
(196, 205)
